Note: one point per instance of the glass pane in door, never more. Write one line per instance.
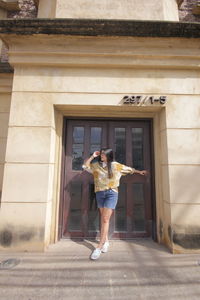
(137, 148)
(78, 135)
(77, 148)
(120, 145)
(95, 139)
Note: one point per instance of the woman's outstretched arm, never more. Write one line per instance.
(129, 170)
(143, 172)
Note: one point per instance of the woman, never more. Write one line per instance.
(107, 173)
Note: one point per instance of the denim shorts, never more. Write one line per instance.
(107, 198)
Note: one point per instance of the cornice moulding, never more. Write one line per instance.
(128, 52)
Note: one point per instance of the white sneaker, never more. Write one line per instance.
(96, 253)
(105, 247)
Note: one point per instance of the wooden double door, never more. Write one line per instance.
(131, 142)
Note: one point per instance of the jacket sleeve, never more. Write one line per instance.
(125, 170)
(89, 168)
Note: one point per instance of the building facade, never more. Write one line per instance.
(88, 74)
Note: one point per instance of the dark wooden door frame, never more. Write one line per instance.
(63, 167)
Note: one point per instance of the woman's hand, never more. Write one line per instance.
(143, 172)
(96, 153)
(88, 160)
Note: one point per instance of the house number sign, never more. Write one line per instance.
(138, 99)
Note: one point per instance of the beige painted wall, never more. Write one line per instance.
(110, 9)
(80, 87)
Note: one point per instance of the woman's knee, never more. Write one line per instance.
(105, 218)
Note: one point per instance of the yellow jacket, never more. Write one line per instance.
(100, 173)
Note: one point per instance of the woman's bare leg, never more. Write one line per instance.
(101, 211)
(105, 218)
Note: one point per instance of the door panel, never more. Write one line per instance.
(130, 141)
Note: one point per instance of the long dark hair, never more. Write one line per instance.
(110, 157)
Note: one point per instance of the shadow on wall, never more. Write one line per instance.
(165, 218)
(5, 112)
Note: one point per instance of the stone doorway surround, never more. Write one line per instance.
(59, 73)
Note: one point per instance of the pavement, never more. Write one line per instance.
(135, 269)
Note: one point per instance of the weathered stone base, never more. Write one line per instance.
(22, 239)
